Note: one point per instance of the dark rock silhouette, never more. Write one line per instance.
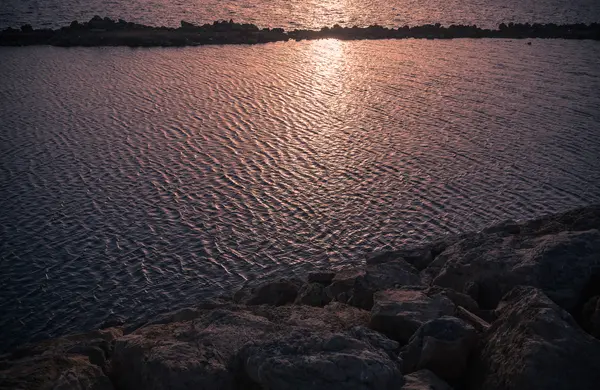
(107, 32)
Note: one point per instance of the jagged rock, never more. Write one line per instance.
(561, 264)
(71, 362)
(277, 292)
(443, 345)
(305, 360)
(424, 380)
(534, 344)
(591, 316)
(322, 277)
(399, 313)
(357, 287)
(313, 294)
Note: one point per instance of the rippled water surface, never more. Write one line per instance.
(292, 14)
(137, 181)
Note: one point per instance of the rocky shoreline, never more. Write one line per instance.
(107, 32)
(515, 306)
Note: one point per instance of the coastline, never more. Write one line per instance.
(107, 32)
(497, 309)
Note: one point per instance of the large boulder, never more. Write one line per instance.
(424, 380)
(186, 355)
(356, 287)
(534, 344)
(488, 266)
(269, 292)
(72, 362)
(306, 360)
(399, 313)
(198, 352)
(443, 345)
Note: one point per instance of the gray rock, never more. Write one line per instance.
(270, 292)
(399, 313)
(561, 264)
(356, 287)
(313, 294)
(424, 380)
(443, 345)
(305, 360)
(534, 344)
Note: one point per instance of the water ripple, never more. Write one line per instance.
(136, 181)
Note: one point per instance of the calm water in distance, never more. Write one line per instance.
(292, 14)
(134, 181)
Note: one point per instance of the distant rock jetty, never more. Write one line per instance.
(513, 307)
(107, 32)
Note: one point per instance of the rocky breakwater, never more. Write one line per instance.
(512, 307)
(107, 32)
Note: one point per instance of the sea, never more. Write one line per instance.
(139, 181)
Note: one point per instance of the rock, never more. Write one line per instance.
(476, 322)
(534, 344)
(305, 360)
(443, 345)
(71, 362)
(459, 299)
(199, 352)
(419, 257)
(357, 287)
(278, 292)
(313, 294)
(376, 340)
(424, 380)
(561, 264)
(591, 316)
(399, 313)
(188, 26)
(26, 28)
(322, 277)
(334, 317)
(186, 355)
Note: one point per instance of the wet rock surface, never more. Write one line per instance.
(107, 32)
(515, 306)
